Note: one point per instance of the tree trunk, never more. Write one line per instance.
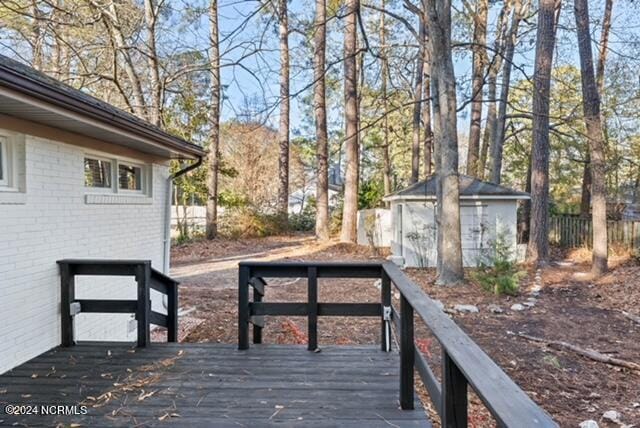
(595, 135)
(417, 107)
(350, 208)
(214, 118)
(61, 49)
(38, 36)
(526, 206)
(478, 70)
(283, 132)
(426, 105)
(585, 201)
(520, 9)
(604, 45)
(112, 24)
(320, 107)
(585, 196)
(150, 15)
(384, 66)
(538, 248)
(492, 85)
(450, 269)
(437, 151)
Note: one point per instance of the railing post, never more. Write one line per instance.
(257, 321)
(407, 354)
(172, 313)
(454, 395)
(243, 307)
(67, 295)
(143, 278)
(312, 292)
(385, 300)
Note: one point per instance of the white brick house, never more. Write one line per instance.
(78, 179)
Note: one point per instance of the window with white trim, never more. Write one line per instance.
(130, 177)
(4, 162)
(13, 186)
(108, 175)
(97, 173)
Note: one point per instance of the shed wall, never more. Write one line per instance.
(414, 242)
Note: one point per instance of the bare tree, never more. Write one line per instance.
(417, 105)
(492, 86)
(585, 200)
(214, 118)
(520, 9)
(111, 20)
(595, 135)
(37, 39)
(426, 109)
(283, 133)
(384, 71)
(480, 17)
(538, 247)
(320, 108)
(450, 270)
(150, 18)
(350, 208)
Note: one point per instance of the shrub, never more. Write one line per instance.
(304, 221)
(424, 242)
(498, 271)
(335, 216)
(248, 223)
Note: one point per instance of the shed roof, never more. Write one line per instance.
(31, 95)
(470, 188)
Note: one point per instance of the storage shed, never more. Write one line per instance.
(486, 211)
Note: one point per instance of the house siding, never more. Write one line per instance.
(55, 222)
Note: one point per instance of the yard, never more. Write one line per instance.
(557, 304)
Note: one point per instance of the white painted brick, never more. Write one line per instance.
(55, 223)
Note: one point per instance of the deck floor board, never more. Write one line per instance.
(212, 385)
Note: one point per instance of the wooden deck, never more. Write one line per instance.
(211, 385)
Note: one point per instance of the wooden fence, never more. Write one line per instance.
(568, 231)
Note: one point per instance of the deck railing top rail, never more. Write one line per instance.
(146, 277)
(463, 363)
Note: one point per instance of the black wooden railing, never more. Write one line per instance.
(146, 278)
(463, 361)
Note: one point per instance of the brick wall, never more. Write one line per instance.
(53, 222)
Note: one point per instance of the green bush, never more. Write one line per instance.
(335, 216)
(498, 271)
(370, 194)
(304, 221)
(246, 222)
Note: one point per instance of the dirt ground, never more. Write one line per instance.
(568, 307)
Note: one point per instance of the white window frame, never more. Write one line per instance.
(145, 179)
(91, 189)
(5, 181)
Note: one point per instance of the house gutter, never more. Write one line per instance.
(167, 213)
(16, 79)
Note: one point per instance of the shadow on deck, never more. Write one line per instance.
(210, 385)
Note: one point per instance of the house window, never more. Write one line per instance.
(129, 177)
(106, 175)
(4, 160)
(97, 173)
(12, 169)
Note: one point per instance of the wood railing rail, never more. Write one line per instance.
(146, 278)
(463, 361)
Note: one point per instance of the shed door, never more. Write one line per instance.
(474, 232)
(399, 230)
